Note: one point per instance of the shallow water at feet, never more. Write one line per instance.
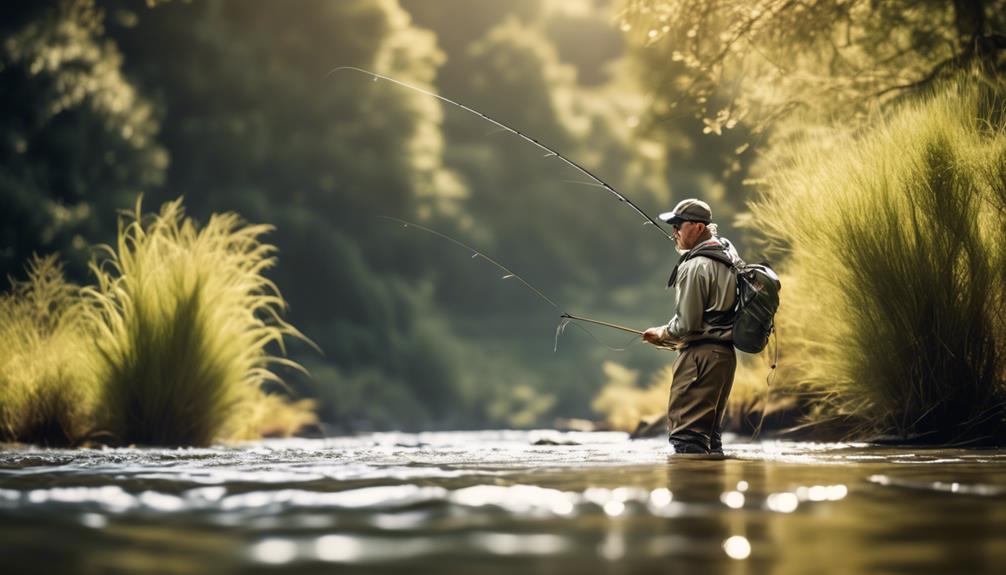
(493, 502)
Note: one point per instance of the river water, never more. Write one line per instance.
(494, 502)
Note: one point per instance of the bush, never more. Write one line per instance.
(47, 391)
(183, 317)
(624, 404)
(894, 269)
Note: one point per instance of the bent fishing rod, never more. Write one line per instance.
(566, 317)
(550, 152)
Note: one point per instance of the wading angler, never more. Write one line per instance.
(705, 285)
(722, 303)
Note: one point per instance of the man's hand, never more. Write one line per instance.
(656, 335)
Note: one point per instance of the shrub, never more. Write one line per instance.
(894, 269)
(183, 318)
(624, 403)
(47, 390)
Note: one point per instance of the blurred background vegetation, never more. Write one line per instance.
(227, 104)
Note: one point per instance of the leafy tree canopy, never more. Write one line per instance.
(77, 141)
(755, 61)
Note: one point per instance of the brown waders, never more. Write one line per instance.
(703, 376)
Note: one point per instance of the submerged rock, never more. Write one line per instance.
(548, 441)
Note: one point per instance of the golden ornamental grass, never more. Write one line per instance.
(183, 320)
(894, 268)
(47, 392)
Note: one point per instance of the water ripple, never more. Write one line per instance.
(577, 502)
(954, 487)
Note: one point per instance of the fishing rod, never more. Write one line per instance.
(660, 344)
(566, 317)
(550, 151)
(604, 323)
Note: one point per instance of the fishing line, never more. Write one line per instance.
(551, 152)
(768, 385)
(559, 330)
(565, 318)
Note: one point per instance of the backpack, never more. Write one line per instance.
(753, 315)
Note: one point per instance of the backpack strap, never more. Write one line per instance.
(717, 253)
(713, 251)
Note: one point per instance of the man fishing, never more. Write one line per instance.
(705, 327)
(701, 329)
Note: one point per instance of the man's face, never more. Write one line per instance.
(686, 234)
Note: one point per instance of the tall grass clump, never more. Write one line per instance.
(894, 269)
(184, 319)
(47, 392)
(623, 403)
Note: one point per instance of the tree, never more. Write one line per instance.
(574, 242)
(757, 61)
(77, 142)
(253, 124)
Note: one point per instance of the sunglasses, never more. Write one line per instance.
(677, 227)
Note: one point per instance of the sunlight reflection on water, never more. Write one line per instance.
(737, 547)
(436, 498)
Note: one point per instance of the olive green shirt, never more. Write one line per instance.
(702, 286)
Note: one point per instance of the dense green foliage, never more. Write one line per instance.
(77, 141)
(251, 123)
(755, 73)
(228, 103)
(752, 62)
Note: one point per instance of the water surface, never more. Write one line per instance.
(493, 502)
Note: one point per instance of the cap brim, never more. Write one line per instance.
(670, 218)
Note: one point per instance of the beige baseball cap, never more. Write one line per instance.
(690, 210)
